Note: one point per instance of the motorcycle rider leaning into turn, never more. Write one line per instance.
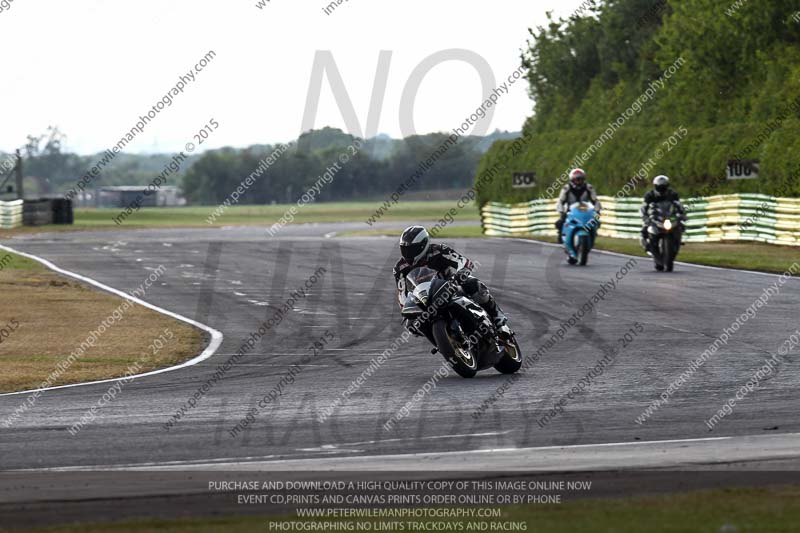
(417, 250)
(661, 192)
(577, 190)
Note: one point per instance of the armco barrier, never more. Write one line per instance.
(731, 217)
(10, 214)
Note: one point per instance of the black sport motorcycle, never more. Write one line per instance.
(460, 329)
(665, 233)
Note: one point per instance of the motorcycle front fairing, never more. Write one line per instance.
(436, 299)
(427, 299)
(475, 323)
(664, 220)
(580, 222)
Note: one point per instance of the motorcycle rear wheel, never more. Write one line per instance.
(462, 360)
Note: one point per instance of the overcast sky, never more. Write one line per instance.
(92, 67)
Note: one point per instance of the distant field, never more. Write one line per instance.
(265, 215)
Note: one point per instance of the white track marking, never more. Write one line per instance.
(432, 437)
(216, 336)
(578, 457)
(606, 252)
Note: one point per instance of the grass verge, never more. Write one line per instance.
(747, 256)
(773, 510)
(44, 317)
(259, 215)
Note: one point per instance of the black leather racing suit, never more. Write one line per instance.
(451, 264)
(652, 197)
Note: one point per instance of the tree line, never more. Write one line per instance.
(736, 92)
(208, 178)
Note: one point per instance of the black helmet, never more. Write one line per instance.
(414, 243)
(661, 184)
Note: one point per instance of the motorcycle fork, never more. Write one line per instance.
(458, 333)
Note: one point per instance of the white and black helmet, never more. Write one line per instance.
(661, 184)
(577, 178)
(414, 243)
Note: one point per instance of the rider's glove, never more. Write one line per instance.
(462, 275)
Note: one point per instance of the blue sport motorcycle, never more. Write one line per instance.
(579, 232)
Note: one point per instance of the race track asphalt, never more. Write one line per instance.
(235, 278)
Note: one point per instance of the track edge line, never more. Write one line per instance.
(210, 350)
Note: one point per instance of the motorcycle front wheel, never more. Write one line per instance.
(668, 253)
(460, 358)
(583, 250)
(511, 361)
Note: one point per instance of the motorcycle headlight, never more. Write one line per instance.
(668, 224)
(422, 296)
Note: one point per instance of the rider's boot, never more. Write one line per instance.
(645, 242)
(495, 313)
(560, 228)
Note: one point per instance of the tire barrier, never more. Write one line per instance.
(62, 211)
(37, 213)
(47, 211)
(729, 217)
(11, 214)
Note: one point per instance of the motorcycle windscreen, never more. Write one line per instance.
(420, 275)
(580, 214)
(415, 278)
